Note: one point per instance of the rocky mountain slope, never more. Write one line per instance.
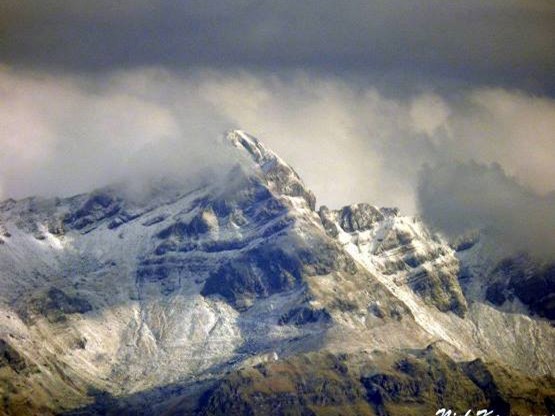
(239, 291)
(414, 382)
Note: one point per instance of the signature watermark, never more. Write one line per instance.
(472, 412)
(469, 412)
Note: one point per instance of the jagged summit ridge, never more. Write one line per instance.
(280, 177)
(256, 150)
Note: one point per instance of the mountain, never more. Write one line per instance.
(238, 296)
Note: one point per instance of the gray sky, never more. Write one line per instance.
(503, 42)
(358, 96)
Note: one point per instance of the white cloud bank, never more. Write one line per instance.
(62, 135)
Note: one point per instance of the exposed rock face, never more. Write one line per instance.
(9, 357)
(146, 304)
(54, 305)
(521, 278)
(279, 176)
(402, 249)
(513, 283)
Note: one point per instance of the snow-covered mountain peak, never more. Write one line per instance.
(259, 153)
(278, 175)
(133, 295)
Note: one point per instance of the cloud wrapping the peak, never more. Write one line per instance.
(350, 141)
(460, 197)
(65, 135)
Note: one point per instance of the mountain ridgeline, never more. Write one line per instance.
(242, 297)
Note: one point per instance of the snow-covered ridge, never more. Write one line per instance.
(179, 287)
(259, 153)
(422, 270)
(279, 176)
(400, 249)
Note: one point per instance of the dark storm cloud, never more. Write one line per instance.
(499, 41)
(461, 197)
